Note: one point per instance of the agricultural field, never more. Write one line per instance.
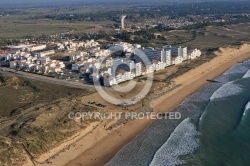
(15, 28)
(29, 24)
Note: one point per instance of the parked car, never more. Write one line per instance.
(100, 105)
(91, 102)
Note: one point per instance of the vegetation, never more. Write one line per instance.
(172, 10)
(36, 116)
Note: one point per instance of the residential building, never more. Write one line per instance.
(177, 60)
(45, 53)
(14, 64)
(146, 55)
(194, 53)
(180, 51)
(166, 57)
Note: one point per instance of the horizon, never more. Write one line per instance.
(100, 2)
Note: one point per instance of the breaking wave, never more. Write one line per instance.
(181, 142)
(227, 90)
(247, 108)
(247, 75)
(239, 68)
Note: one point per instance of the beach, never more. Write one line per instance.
(101, 145)
(196, 78)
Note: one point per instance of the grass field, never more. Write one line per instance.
(204, 38)
(12, 28)
(214, 36)
(15, 26)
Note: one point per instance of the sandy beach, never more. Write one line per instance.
(100, 146)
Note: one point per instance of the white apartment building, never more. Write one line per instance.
(194, 53)
(177, 60)
(138, 69)
(124, 76)
(109, 81)
(146, 55)
(182, 51)
(177, 51)
(123, 63)
(150, 69)
(160, 65)
(166, 57)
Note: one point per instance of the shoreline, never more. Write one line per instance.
(109, 143)
(196, 78)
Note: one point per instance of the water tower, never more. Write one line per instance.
(122, 21)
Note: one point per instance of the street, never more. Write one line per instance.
(13, 72)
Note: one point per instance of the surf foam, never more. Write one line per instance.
(181, 142)
(246, 108)
(227, 90)
(247, 75)
(236, 69)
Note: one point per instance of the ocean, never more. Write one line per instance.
(214, 129)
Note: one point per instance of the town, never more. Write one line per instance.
(117, 63)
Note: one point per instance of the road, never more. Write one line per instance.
(13, 72)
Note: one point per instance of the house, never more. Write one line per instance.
(46, 53)
(23, 64)
(39, 68)
(90, 43)
(36, 47)
(14, 64)
(75, 67)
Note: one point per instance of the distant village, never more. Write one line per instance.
(97, 63)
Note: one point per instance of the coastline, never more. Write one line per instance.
(107, 144)
(194, 79)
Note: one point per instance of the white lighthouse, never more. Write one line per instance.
(122, 21)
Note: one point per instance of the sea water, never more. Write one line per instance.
(214, 129)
